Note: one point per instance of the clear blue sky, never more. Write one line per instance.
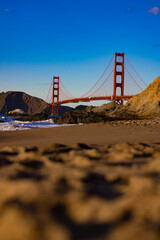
(74, 39)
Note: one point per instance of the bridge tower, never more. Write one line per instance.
(118, 76)
(55, 96)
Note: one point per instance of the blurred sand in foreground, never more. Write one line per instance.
(107, 189)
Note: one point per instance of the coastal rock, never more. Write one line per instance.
(147, 103)
(82, 116)
(105, 113)
(36, 117)
(105, 108)
(16, 112)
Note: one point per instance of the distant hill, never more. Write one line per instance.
(81, 107)
(29, 104)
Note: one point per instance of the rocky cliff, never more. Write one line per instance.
(147, 103)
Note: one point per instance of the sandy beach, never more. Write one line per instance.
(100, 134)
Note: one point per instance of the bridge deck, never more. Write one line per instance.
(88, 99)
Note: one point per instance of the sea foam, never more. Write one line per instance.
(11, 124)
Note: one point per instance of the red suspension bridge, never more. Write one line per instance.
(120, 77)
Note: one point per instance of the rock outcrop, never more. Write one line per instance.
(107, 112)
(147, 103)
(16, 112)
(35, 117)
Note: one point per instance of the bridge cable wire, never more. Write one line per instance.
(102, 83)
(63, 95)
(49, 92)
(135, 70)
(98, 79)
(66, 90)
(133, 78)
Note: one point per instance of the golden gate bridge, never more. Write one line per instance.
(117, 76)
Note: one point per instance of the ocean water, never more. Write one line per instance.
(11, 124)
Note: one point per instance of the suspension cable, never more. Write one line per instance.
(64, 94)
(133, 79)
(99, 78)
(135, 70)
(102, 83)
(49, 91)
(66, 89)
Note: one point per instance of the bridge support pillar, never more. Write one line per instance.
(118, 77)
(55, 96)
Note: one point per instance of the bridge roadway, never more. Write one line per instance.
(88, 99)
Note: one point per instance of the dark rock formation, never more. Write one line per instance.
(16, 112)
(82, 116)
(36, 117)
(104, 113)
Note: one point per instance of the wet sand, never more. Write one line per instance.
(99, 134)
